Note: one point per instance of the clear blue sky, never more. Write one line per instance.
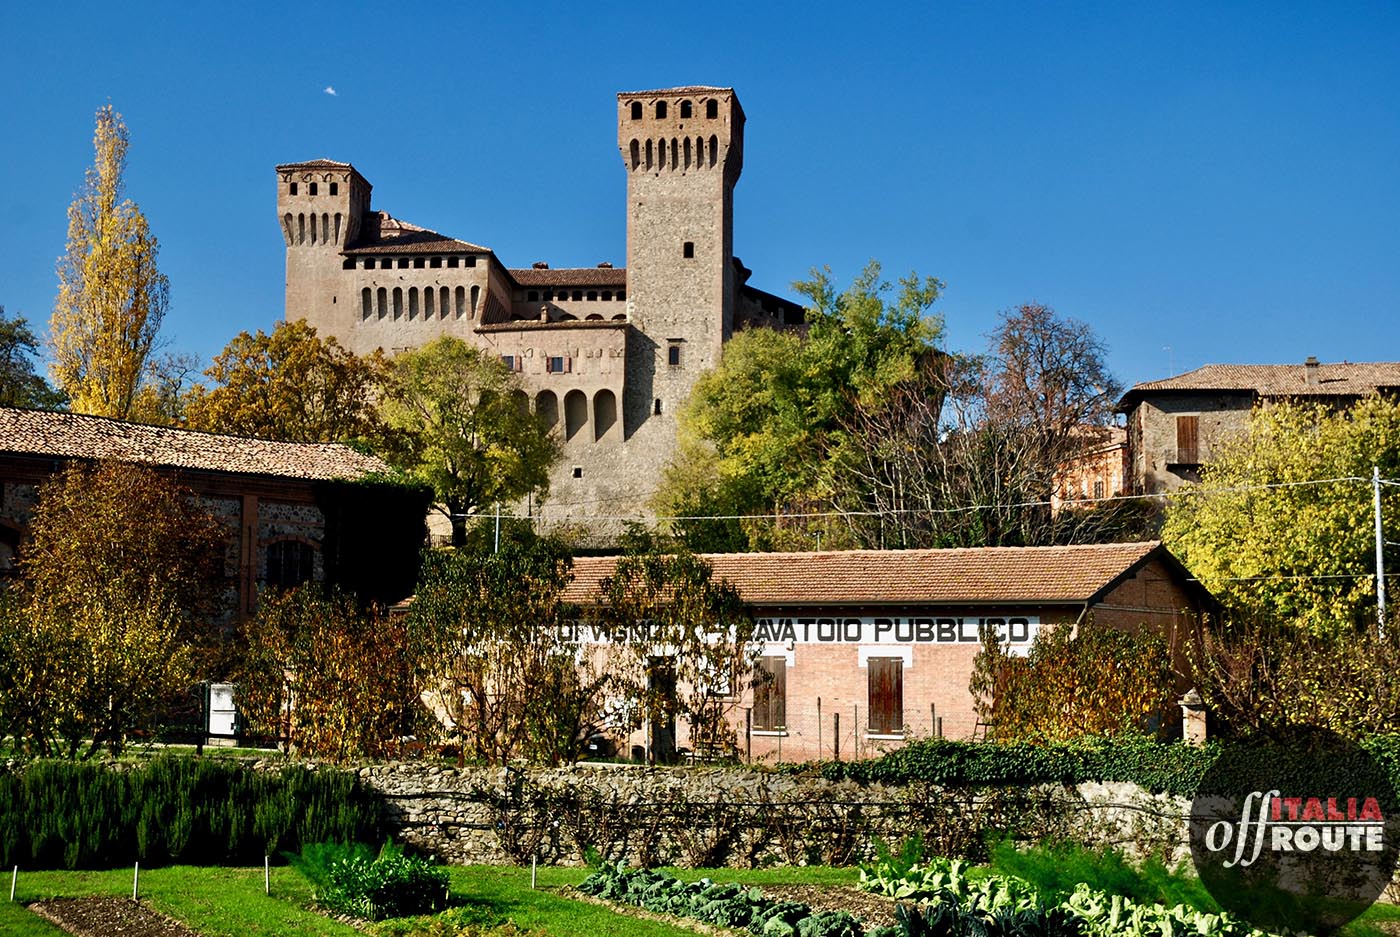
(1200, 182)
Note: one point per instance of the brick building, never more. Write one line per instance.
(1175, 425)
(294, 511)
(867, 648)
(606, 354)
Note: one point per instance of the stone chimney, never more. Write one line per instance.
(1310, 368)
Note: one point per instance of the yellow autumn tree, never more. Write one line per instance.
(111, 295)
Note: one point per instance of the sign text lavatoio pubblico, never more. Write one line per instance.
(1012, 631)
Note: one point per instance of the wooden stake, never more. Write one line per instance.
(533, 861)
(14, 879)
(267, 876)
(136, 883)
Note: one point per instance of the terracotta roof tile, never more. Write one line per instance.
(571, 276)
(317, 164)
(71, 435)
(385, 234)
(908, 577)
(685, 89)
(1278, 380)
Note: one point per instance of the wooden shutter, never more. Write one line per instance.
(886, 695)
(1187, 430)
(770, 695)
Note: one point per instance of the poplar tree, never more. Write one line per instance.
(111, 296)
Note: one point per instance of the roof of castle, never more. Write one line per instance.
(75, 436)
(1004, 575)
(385, 234)
(685, 89)
(1343, 379)
(570, 276)
(316, 164)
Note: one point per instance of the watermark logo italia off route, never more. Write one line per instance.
(1296, 834)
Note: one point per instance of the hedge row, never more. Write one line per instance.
(56, 814)
(1154, 766)
(1171, 768)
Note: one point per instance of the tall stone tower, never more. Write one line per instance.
(321, 205)
(683, 149)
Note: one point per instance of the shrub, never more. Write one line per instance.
(394, 885)
(59, 814)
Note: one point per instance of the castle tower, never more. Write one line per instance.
(683, 149)
(320, 207)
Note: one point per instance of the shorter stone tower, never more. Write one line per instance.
(321, 205)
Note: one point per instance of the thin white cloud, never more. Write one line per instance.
(330, 89)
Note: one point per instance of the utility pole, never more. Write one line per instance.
(1380, 549)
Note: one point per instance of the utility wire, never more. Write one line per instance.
(549, 509)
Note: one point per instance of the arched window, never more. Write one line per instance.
(287, 224)
(288, 563)
(604, 413)
(366, 303)
(575, 413)
(636, 115)
(383, 302)
(685, 109)
(649, 153)
(461, 297)
(428, 295)
(522, 401)
(476, 298)
(413, 302)
(660, 109)
(398, 302)
(301, 229)
(636, 154)
(547, 408)
(443, 294)
(714, 150)
(712, 109)
(687, 152)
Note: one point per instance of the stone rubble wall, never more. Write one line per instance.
(710, 817)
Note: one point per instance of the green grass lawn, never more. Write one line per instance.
(230, 902)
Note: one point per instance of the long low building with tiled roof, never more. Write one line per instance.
(294, 511)
(864, 649)
(1177, 424)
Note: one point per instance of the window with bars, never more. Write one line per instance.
(770, 694)
(289, 563)
(886, 703)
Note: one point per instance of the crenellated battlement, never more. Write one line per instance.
(681, 130)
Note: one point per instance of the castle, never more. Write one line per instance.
(605, 355)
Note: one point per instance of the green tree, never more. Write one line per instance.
(680, 644)
(1271, 537)
(462, 426)
(111, 295)
(770, 424)
(335, 679)
(20, 384)
(291, 385)
(969, 455)
(116, 597)
(504, 667)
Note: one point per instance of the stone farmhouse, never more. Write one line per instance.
(294, 511)
(1175, 425)
(865, 649)
(605, 354)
